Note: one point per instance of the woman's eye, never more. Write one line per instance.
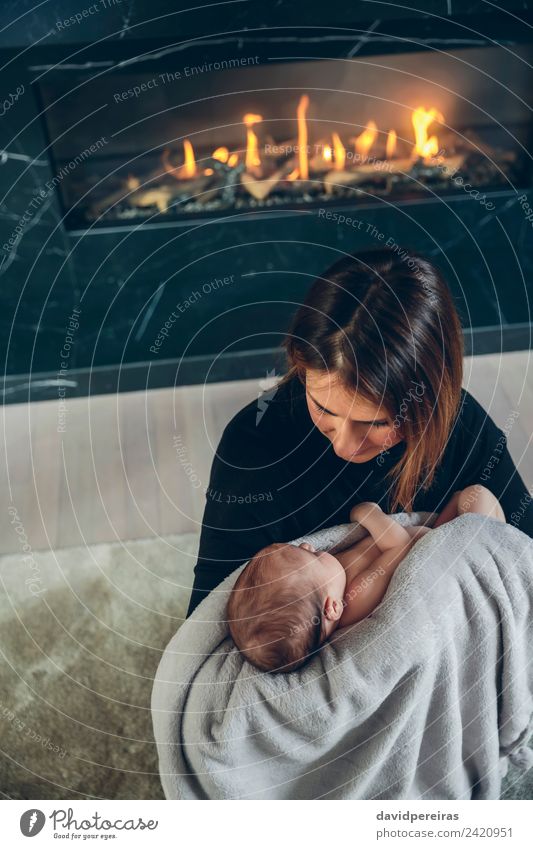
(326, 413)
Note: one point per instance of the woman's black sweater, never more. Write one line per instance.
(276, 477)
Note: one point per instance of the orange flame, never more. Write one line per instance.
(340, 152)
(293, 175)
(422, 118)
(303, 160)
(390, 148)
(252, 148)
(189, 166)
(364, 142)
(327, 153)
(221, 153)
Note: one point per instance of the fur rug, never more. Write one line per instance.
(82, 631)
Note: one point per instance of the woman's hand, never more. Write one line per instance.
(450, 511)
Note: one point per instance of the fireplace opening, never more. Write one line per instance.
(174, 144)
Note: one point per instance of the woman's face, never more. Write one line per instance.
(357, 429)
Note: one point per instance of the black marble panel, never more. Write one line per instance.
(61, 22)
(205, 293)
(126, 282)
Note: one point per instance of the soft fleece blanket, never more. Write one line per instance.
(425, 699)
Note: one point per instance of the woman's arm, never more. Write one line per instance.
(234, 528)
(449, 512)
(486, 460)
(219, 554)
(506, 484)
(244, 510)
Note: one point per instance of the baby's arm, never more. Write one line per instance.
(384, 533)
(366, 591)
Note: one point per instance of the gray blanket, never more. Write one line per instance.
(428, 698)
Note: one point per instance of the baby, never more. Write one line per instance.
(289, 599)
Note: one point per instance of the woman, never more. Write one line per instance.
(371, 409)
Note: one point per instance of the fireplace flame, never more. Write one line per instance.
(422, 118)
(252, 146)
(185, 171)
(303, 159)
(188, 169)
(340, 152)
(332, 157)
(221, 153)
(390, 148)
(366, 139)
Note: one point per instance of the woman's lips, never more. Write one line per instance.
(354, 454)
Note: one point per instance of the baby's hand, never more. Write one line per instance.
(362, 509)
(417, 531)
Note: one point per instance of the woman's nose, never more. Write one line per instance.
(346, 442)
(346, 450)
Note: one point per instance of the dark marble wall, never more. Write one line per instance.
(136, 279)
(33, 23)
(126, 283)
(37, 287)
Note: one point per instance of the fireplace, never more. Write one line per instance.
(163, 162)
(240, 137)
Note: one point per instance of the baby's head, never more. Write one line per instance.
(285, 603)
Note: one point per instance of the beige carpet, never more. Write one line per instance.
(82, 631)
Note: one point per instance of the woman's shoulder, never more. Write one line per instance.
(474, 433)
(472, 418)
(266, 422)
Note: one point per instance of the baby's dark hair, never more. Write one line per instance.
(278, 627)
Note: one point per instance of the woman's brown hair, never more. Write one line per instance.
(385, 323)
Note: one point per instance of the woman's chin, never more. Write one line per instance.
(360, 456)
(368, 453)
